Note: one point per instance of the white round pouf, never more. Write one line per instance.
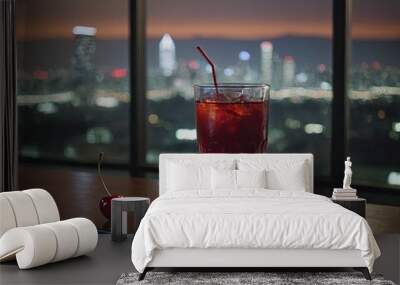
(31, 231)
(87, 235)
(41, 244)
(23, 208)
(7, 216)
(45, 205)
(67, 240)
(32, 246)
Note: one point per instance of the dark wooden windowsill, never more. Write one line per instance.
(77, 192)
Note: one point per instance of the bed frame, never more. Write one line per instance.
(242, 259)
(249, 259)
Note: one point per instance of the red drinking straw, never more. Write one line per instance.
(203, 53)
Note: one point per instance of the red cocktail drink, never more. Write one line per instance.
(234, 121)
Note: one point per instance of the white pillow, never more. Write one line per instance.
(281, 174)
(223, 179)
(189, 175)
(251, 178)
(226, 179)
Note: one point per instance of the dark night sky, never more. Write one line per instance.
(238, 19)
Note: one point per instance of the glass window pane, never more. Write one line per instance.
(73, 87)
(375, 96)
(250, 41)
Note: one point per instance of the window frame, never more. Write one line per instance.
(341, 59)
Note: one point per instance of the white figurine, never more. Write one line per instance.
(347, 174)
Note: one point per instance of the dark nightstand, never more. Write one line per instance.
(357, 205)
(119, 208)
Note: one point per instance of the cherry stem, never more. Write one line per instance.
(214, 74)
(99, 161)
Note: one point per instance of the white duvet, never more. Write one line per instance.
(250, 219)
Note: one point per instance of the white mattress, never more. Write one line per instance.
(253, 219)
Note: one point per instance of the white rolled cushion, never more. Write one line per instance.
(45, 205)
(87, 235)
(7, 218)
(67, 240)
(23, 208)
(281, 174)
(33, 246)
(251, 178)
(37, 245)
(186, 175)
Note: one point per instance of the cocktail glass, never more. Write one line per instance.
(234, 120)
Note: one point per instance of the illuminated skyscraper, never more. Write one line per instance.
(277, 81)
(288, 71)
(266, 62)
(167, 55)
(243, 69)
(83, 63)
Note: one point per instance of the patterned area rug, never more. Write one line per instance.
(229, 278)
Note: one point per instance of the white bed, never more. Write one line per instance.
(248, 227)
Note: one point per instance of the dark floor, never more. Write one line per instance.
(110, 260)
(77, 194)
(103, 266)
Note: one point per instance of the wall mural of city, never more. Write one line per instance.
(74, 94)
